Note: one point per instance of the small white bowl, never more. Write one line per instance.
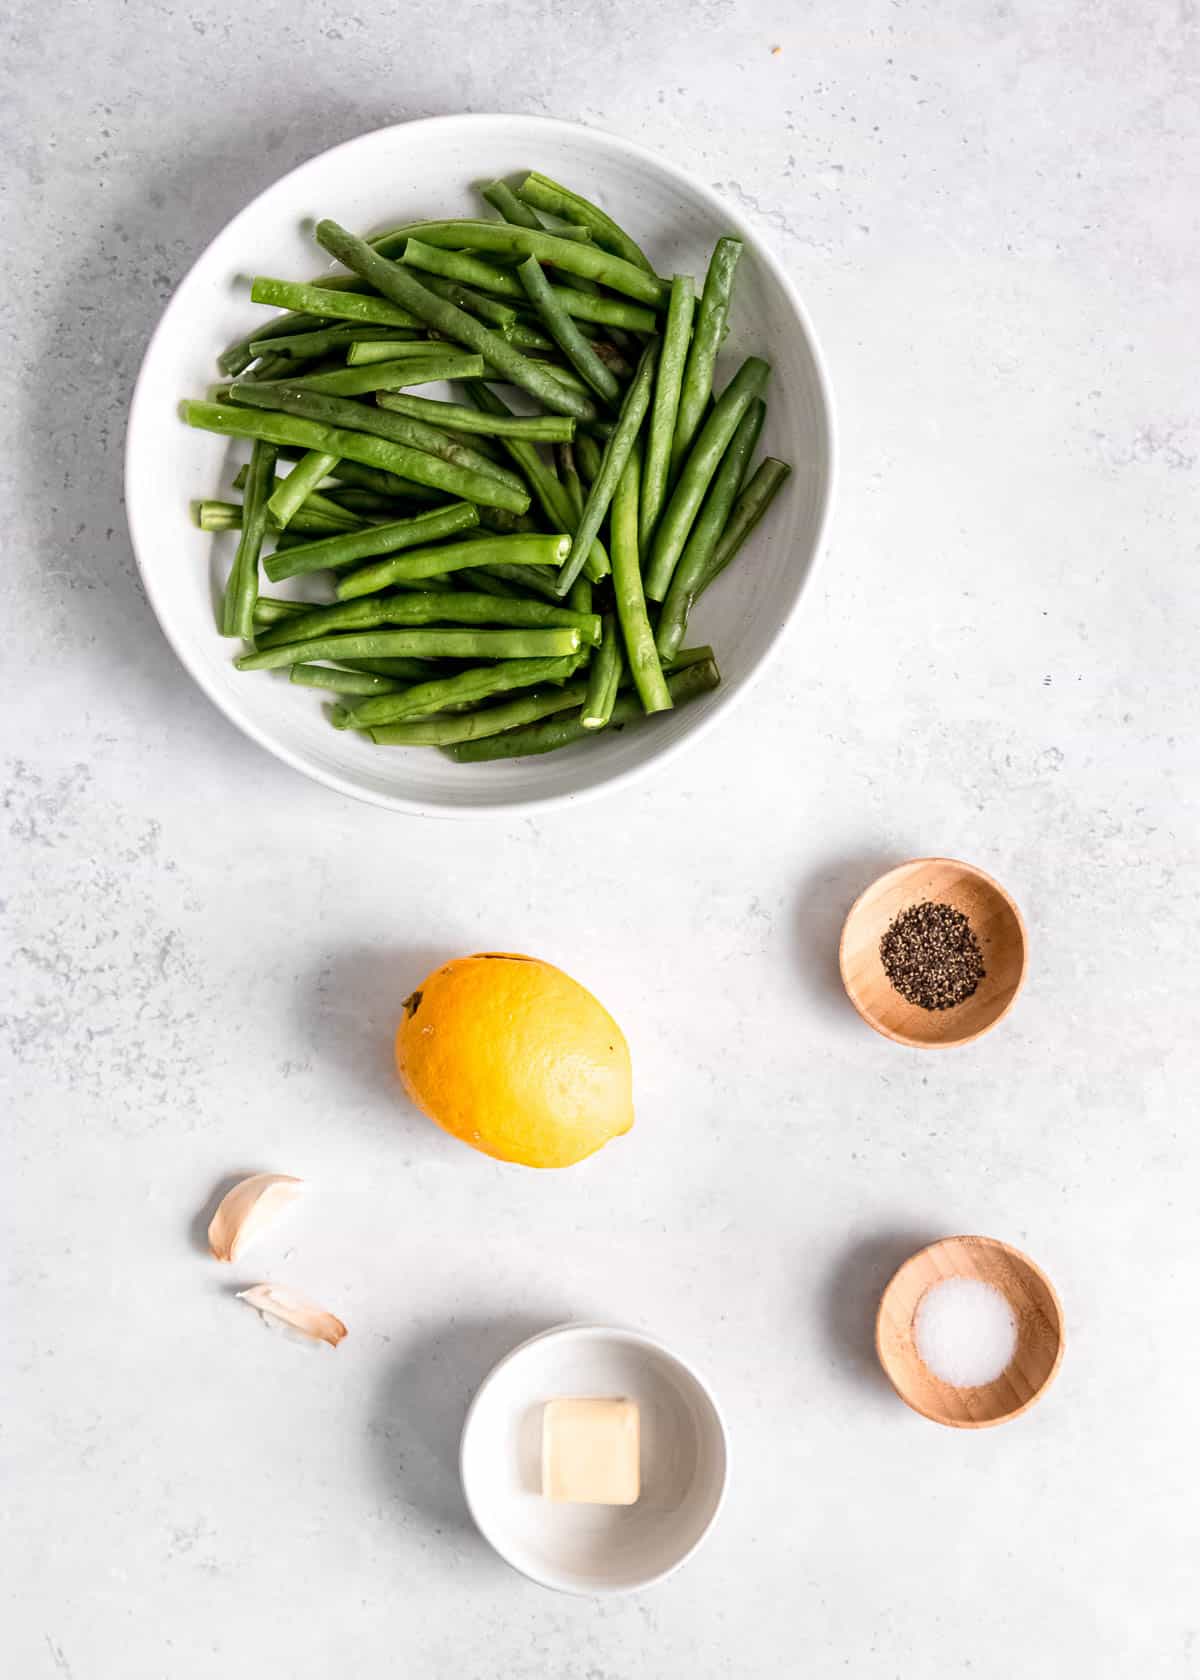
(427, 169)
(600, 1549)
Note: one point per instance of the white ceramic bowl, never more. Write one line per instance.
(594, 1548)
(423, 169)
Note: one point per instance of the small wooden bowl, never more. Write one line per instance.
(995, 921)
(1035, 1306)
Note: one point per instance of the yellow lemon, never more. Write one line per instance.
(515, 1058)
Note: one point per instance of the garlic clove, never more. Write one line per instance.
(247, 1210)
(286, 1307)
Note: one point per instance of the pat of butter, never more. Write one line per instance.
(591, 1451)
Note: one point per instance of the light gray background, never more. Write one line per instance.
(991, 213)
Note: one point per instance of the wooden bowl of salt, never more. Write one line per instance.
(970, 1332)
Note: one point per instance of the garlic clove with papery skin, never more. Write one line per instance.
(247, 1210)
(286, 1307)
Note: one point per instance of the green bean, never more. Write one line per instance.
(329, 341)
(426, 562)
(217, 516)
(487, 583)
(528, 579)
(526, 337)
(702, 462)
(585, 306)
(514, 582)
(288, 498)
(671, 362)
(320, 518)
(364, 504)
(370, 508)
(444, 581)
(463, 267)
(384, 483)
(243, 472)
(542, 481)
(507, 524)
(390, 375)
(571, 256)
(227, 516)
(428, 644)
(568, 477)
(589, 454)
(238, 356)
(343, 682)
(267, 360)
(688, 656)
(422, 350)
(369, 351)
(606, 311)
(323, 621)
(711, 319)
(604, 678)
(398, 283)
(269, 367)
(579, 596)
(749, 508)
(616, 452)
(638, 637)
(271, 609)
(516, 332)
(497, 314)
(462, 615)
(565, 333)
(343, 519)
(371, 450)
(562, 372)
(235, 359)
(241, 588)
(330, 303)
(347, 548)
(472, 726)
(432, 607)
(405, 670)
(706, 532)
(482, 441)
(545, 194)
(501, 197)
(326, 518)
(687, 684)
(536, 428)
(413, 434)
(467, 688)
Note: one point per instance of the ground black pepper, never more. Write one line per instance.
(931, 956)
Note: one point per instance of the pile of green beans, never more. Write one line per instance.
(487, 579)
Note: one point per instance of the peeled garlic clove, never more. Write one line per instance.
(247, 1210)
(285, 1306)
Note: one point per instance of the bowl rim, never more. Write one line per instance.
(1022, 1259)
(905, 1038)
(724, 698)
(621, 1333)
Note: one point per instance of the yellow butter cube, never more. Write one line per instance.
(591, 1451)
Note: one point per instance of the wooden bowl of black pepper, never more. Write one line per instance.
(933, 953)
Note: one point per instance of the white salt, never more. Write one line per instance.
(966, 1332)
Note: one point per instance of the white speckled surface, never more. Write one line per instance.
(991, 212)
